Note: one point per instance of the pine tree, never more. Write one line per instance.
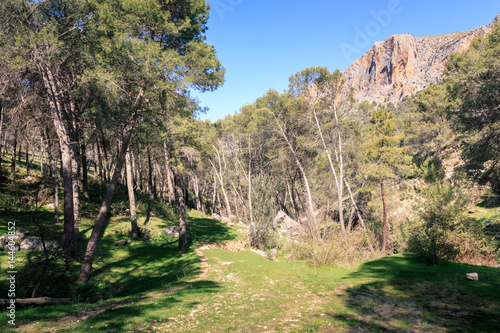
(386, 158)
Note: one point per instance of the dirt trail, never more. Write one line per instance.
(69, 321)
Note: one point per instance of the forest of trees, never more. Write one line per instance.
(99, 91)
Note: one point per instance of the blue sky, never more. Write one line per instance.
(261, 43)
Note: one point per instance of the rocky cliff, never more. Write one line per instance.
(404, 64)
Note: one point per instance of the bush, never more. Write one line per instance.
(260, 234)
(346, 249)
(444, 231)
(44, 274)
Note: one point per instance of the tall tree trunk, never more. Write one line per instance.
(134, 229)
(181, 206)
(136, 167)
(197, 194)
(220, 175)
(358, 214)
(313, 225)
(1, 136)
(55, 173)
(214, 196)
(42, 157)
(384, 216)
(19, 152)
(75, 164)
(250, 205)
(150, 176)
(85, 173)
(27, 158)
(248, 177)
(292, 197)
(102, 172)
(88, 258)
(13, 160)
(338, 179)
(53, 91)
(171, 193)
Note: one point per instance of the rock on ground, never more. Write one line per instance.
(33, 243)
(172, 230)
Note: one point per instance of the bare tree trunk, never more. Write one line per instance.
(313, 225)
(250, 205)
(179, 195)
(88, 258)
(151, 189)
(85, 173)
(27, 157)
(53, 170)
(1, 136)
(358, 214)
(67, 169)
(197, 194)
(134, 229)
(136, 167)
(159, 181)
(248, 177)
(75, 156)
(19, 152)
(171, 193)
(102, 172)
(42, 157)
(351, 219)
(384, 216)
(220, 175)
(13, 160)
(292, 199)
(338, 179)
(214, 196)
(135, 172)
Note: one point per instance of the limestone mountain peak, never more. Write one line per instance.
(403, 64)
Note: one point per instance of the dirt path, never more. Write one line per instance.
(69, 321)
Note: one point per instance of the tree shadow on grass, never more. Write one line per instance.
(490, 201)
(403, 295)
(116, 317)
(152, 313)
(140, 267)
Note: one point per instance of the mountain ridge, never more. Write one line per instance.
(403, 64)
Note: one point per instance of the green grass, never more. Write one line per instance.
(243, 292)
(151, 288)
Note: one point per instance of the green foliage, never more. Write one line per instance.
(428, 132)
(342, 249)
(121, 205)
(473, 84)
(260, 234)
(444, 231)
(386, 157)
(432, 171)
(44, 274)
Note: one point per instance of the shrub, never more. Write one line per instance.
(346, 249)
(260, 234)
(444, 231)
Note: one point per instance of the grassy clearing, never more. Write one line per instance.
(243, 292)
(151, 288)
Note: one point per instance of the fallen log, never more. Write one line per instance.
(38, 301)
